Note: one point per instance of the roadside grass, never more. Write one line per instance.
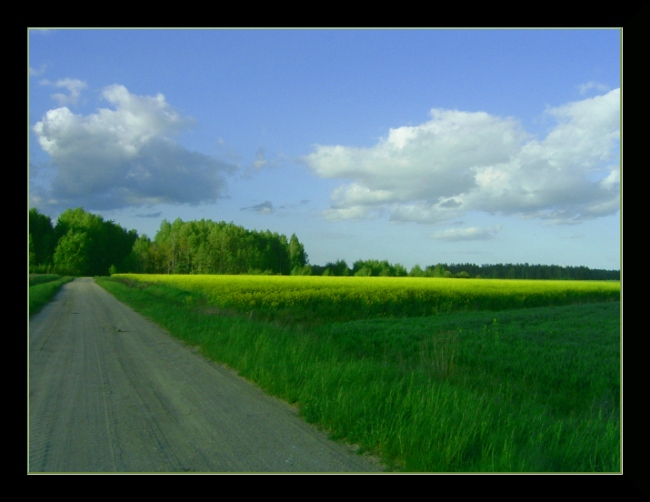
(42, 288)
(524, 390)
(35, 279)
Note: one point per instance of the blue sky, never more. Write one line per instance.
(414, 146)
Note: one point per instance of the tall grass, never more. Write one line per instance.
(42, 288)
(541, 386)
(528, 390)
(35, 279)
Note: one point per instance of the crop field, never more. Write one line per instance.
(344, 298)
(431, 375)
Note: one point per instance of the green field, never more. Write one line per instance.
(433, 375)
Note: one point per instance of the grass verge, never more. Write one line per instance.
(42, 289)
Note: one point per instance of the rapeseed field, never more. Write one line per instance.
(329, 298)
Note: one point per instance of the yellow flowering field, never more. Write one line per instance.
(356, 297)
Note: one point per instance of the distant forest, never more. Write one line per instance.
(84, 244)
(81, 243)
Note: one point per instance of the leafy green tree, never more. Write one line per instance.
(338, 268)
(162, 248)
(306, 270)
(399, 270)
(43, 239)
(223, 248)
(32, 255)
(377, 268)
(364, 271)
(71, 256)
(141, 258)
(104, 242)
(439, 271)
(115, 246)
(297, 255)
(416, 271)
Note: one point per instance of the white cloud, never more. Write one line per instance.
(73, 86)
(468, 234)
(123, 156)
(585, 88)
(347, 213)
(461, 161)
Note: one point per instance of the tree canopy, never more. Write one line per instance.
(208, 247)
(82, 243)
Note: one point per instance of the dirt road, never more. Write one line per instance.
(109, 391)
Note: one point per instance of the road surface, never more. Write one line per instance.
(109, 391)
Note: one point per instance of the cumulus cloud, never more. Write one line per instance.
(468, 234)
(265, 207)
(472, 161)
(585, 88)
(73, 86)
(123, 156)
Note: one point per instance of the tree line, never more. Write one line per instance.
(527, 271)
(84, 244)
(376, 268)
(208, 247)
(80, 243)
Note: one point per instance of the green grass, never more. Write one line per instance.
(542, 386)
(42, 288)
(515, 390)
(35, 279)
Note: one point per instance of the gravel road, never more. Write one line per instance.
(109, 391)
